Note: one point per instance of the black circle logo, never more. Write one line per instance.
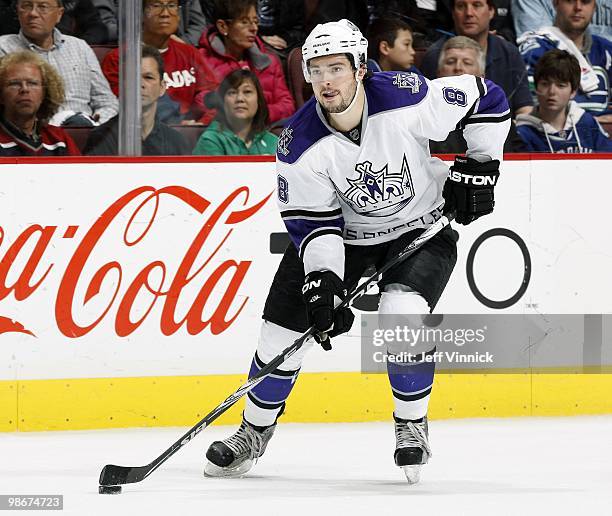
(526, 271)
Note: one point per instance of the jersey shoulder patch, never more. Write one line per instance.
(394, 90)
(303, 130)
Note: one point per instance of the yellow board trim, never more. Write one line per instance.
(78, 404)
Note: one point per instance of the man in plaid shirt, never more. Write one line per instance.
(89, 99)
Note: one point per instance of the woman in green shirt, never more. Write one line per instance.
(240, 125)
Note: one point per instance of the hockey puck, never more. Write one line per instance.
(109, 489)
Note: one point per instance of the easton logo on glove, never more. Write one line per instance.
(468, 191)
(468, 179)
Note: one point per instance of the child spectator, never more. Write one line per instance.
(558, 124)
(240, 126)
(188, 78)
(31, 91)
(157, 138)
(233, 43)
(89, 100)
(390, 46)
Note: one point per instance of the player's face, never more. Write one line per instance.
(151, 84)
(472, 17)
(457, 61)
(554, 95)
(240, 103)
(22, 92)
(401, 55)
(333, 82)
(574, 15)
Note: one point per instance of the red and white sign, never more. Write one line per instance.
(135, 268)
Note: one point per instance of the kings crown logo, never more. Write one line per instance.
(284, 140)
(379, 193)
(409, 81)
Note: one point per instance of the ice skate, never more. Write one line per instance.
(236, 455)
(412, 447)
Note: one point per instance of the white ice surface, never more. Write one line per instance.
(485, 466)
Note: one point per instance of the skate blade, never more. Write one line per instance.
(212, 470)
(413, 473)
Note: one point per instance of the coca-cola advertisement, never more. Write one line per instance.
(133, 269)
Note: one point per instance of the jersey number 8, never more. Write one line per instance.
(283, 190)
(455, 96)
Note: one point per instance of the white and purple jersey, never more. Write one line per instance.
(370, 187)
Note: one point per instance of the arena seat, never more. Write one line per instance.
(79, 135)
(191, 133)
(300, 90)
(102, 50)
(418, 56)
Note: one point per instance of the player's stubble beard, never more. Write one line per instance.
(345, 100)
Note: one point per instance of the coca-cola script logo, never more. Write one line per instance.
(221, 220)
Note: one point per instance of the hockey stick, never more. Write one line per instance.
(112, 475)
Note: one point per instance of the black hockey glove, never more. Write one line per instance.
(320, 289)
(468, 190)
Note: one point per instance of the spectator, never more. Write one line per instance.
(89, 100)
(188, 78)
(240, 125)
(461, 55)
(558, 124)
(504, 65)
(81, 19)
(233, 43)
(31, 92)
(390, 46)
(157, 138)
(530, 15)
(570, 32)
(281, 24)
(192, 21)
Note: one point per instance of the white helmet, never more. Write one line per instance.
(341, 37)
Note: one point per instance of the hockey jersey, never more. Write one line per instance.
(597, 101)
(581, 134)
(51, 141)
(334, 189)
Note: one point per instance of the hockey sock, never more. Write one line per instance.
(266, 401)
(411, 385)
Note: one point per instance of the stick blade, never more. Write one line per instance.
(112, 475)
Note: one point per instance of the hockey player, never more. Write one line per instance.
(356, 184)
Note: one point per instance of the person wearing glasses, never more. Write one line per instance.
(187, 76)
(89, 100)
(232, 43)
(31, 91)
(81, 19)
